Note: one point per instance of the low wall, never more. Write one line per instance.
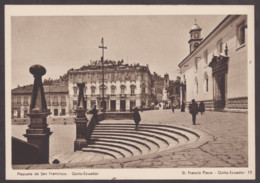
(24, 152)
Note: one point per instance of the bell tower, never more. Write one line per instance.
(195, 36)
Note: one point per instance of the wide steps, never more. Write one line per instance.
(119, 139)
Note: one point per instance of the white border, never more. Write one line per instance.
(82, 10)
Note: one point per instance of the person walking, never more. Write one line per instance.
(173, 108)
(183, 107)
(193, 108)
(137, 118)
(202, 107)
(94, 111)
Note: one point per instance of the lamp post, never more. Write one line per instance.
(102, 62)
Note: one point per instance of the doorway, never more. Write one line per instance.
(220, 92)
(113, 105)
(122, 105)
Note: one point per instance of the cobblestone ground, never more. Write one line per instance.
(229, 147)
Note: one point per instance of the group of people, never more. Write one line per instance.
(194, 109)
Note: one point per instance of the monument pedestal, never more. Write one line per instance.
(38, 134)
(81, 121)
(81, 131)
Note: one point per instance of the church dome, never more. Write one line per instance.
(195, 27)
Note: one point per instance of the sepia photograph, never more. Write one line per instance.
(129, 92)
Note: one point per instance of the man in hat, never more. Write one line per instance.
(193, 107)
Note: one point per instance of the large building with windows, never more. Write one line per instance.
(125, 86)
(56, 96)
(215, 70)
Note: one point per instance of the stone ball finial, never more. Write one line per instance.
(37, 70)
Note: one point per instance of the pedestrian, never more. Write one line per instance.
(173, 108)
(193, 108)
(202, 107)
(137, 118)
(64, 121)
(183, 107)
(94, 111)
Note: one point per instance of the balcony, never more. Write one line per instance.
(123, 95)
(18, 103)
(25, 103)
(55, 103)
(63, 103)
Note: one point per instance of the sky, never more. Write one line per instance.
(62, 42)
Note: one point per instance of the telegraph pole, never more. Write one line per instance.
(102, 62)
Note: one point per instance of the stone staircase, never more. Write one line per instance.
(119, 139)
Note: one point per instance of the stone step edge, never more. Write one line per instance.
(152, 131)
(128, 140)
(111, 145)
(162, 129)
(158, 125)
(134, 137)
(123, 143)
(138, 134)
(85, 149)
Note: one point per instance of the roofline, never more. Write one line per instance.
(182, 62)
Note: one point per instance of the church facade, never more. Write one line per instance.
(215, 70)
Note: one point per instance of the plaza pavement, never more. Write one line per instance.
(226, 147)
(229, 147)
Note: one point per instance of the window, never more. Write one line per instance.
(220, 46)
(93, 90)
(122, 89)
(63, 101)
(241, 33)
(196, 45)
(196, 86)
(18, 100)
(56, 112)
(113, 90)
(206, 57)
(55, 100)
(206, 80)
(143, 90)
(63, 112)
(132, 90)
(25, 101)
(75, 90)
(196, 63)
(207, 84)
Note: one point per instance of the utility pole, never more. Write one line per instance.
(102, 62)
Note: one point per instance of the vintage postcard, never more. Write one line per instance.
(129, 92)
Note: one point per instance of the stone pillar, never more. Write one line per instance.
(38, 132)
(81, 121)
(127, 104)
(118, 105)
